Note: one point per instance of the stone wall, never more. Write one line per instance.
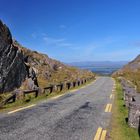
(132, 102)
(134, 115)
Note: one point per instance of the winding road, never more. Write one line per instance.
(82, 114)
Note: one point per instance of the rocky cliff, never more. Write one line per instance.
(12, 68)
(26, 69)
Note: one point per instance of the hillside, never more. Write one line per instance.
(131, 72)
(26, 69)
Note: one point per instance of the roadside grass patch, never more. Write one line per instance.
(119, 126)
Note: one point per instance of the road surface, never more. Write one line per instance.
(77, 115)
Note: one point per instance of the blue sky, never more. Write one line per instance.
(76, 30)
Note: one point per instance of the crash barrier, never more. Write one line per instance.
(20, 94)
(31, 91)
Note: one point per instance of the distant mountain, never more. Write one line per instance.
(110, 64)
(100, 67)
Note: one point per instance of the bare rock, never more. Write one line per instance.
(12, 68)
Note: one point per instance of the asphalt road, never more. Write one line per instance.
(74, 116)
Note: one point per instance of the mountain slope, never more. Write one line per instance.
(131, 72)
(27, 69)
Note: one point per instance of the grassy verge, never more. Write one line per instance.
(119, 128)
(30, 99)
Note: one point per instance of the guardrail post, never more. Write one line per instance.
(36, 93)
(51, 89)
(68, 85)
(78, 83)
(14, 97)
(74, 84)
(61, 87)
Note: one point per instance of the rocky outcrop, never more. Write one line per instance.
(12, 68)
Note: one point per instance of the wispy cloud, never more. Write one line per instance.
(60, 42)
(51, 41)
(62, 26)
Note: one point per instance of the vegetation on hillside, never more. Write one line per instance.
(131, 72)
(133, 76)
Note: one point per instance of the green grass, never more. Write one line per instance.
(30, 99)
(119, 128)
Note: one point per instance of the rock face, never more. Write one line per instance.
(24, 69)
(12, 67)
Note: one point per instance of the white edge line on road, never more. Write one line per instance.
(74, 90)
(56, 97)
(22, 108)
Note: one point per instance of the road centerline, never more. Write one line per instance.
(103, 136)
(98, 134)
(108, 108)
